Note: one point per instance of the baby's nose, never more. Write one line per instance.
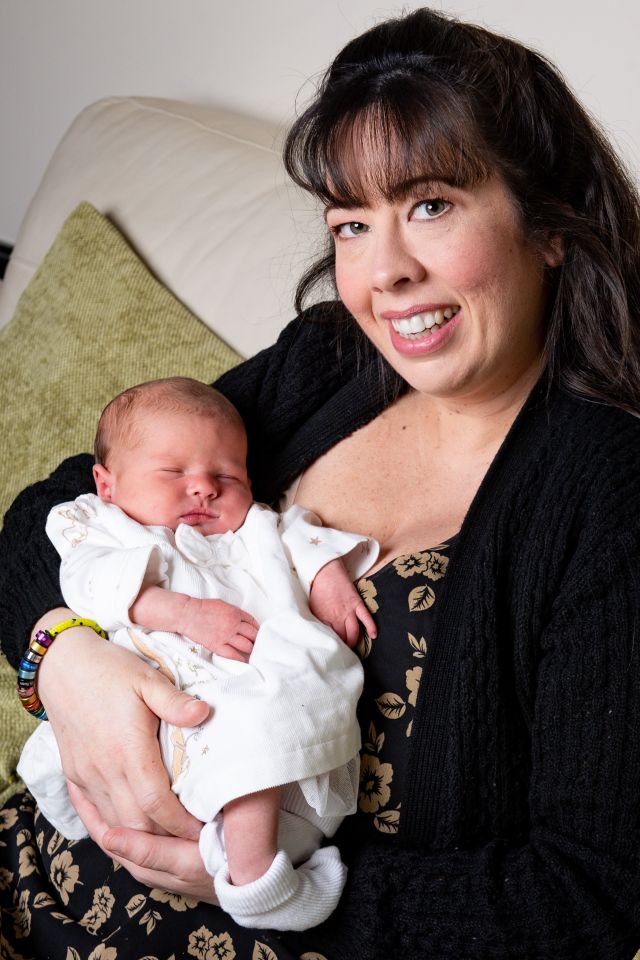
(203, 484)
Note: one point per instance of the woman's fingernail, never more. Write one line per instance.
(111, 844)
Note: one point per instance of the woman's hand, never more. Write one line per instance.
(103, 703)
(169, 863)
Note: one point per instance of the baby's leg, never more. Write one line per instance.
(278, 896)
(258, 885)
(251, 834)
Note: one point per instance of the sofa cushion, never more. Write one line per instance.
(202, 195)
(92, 321)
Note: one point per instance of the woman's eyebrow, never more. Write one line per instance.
(397, 191)
(413, 185)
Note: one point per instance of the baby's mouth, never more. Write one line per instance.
(415, 326)
(197, 516)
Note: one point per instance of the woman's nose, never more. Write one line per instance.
(394, 263)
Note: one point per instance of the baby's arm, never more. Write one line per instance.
(214, 624)
(335, 601)
(111, 572)
(327, 562)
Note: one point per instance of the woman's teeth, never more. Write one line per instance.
(415, 326)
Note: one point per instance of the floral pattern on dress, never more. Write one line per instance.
(403, 597)
(65, 900)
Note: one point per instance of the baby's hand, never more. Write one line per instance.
(220, 627)
(335, 601)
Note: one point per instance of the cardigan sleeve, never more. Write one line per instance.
(571, 887)
(29, 564)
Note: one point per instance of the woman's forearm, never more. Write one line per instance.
(84, 679)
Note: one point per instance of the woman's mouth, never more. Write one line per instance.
(416, 325)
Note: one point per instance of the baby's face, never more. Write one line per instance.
(187, 469)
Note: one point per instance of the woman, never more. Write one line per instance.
(485, 243)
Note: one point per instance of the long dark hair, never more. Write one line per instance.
(438, 97)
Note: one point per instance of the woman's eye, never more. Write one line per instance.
(430, 209)
(351, 229)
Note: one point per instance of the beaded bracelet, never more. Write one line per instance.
(28, 669)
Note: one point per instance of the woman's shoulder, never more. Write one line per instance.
(597, 431)
(590, 462)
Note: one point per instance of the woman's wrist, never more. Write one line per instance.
(50, 619)
(60, 653)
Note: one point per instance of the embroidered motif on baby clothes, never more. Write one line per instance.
(77, 516)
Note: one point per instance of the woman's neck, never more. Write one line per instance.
(472, 422)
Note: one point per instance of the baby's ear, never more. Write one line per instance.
(104, 482)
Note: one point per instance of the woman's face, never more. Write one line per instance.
(446, 286)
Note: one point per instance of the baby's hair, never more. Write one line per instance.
(119, 421)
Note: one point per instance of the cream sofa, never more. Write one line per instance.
(201, 197)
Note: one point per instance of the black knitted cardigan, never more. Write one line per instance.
(520, 827)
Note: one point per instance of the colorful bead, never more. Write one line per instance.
(28, 669)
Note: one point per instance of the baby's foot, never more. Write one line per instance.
(284, 898)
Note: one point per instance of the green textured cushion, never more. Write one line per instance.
(92, 321)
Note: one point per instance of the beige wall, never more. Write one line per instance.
(256, 55)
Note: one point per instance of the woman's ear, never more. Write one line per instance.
(104, 480)
(554, 250)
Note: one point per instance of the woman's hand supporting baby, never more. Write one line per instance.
(334, 600)
(115, 764)
(169, 863)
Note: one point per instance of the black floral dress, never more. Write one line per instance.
(403, 598)
(65, 900)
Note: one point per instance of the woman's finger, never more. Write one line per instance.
(202, 891)
(170, 704)
(88, 813)
(173, 865)
(167, 862)
(115, 801)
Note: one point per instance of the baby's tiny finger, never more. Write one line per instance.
(352, 629)
(242, 643)
(367, 621)
(248, 630)
(229, 651)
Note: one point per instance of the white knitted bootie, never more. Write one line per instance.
(284, 898)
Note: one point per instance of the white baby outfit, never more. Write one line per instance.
(286, 717)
